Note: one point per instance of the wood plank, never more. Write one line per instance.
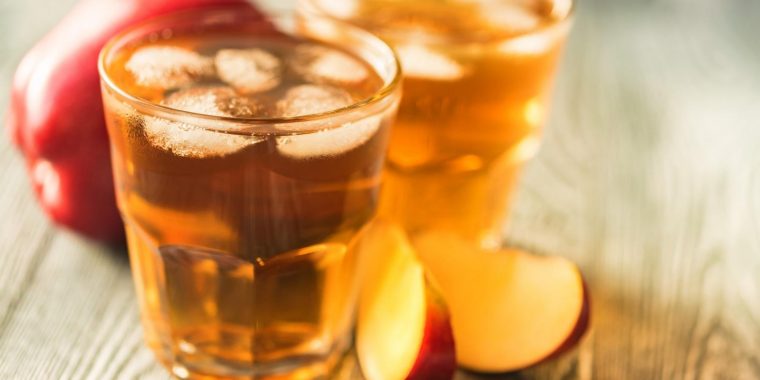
(25, 234)
(649, 178)
(77, 319)
(655, 132)
(37, 301)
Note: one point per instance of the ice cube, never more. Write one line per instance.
(213, 100)
(320, 64)
(168, 66)
(535, 43)
(187, 140)
(561, 8)
(337, 8)
(330, 142)
(248, 70)
(516, 18)
(419, 61)
(310, 99)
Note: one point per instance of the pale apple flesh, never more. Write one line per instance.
(509, 309)
(403, 328)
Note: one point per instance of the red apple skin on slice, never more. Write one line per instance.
(509, 309)
(437, 343)
(584, 321)
(403, 328)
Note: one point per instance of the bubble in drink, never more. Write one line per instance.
(188, 140)
(320, 64)
(419, 61)
(248, 70)
(168, 66)
(311, 99)
(330, 142)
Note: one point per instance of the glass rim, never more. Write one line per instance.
(315, 8)
(389, 87)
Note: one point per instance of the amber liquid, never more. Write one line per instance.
(475, 95)
(243, 261)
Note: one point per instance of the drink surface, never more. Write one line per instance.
(476, 82)
(241, 240)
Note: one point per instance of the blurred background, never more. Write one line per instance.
(649, 178)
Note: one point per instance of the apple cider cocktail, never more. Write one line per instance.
(247, 153)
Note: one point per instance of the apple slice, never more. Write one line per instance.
(403, 329)
(509, 309)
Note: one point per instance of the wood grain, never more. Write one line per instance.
(649, 178)
(67, 308)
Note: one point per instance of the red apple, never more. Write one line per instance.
(403, 329)
(56, 115)
(509, 309)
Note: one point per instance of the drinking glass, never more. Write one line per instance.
(246, 164)
(477, 80)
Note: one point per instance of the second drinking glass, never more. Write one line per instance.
(477, 75)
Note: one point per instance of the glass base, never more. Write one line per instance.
(206, 367)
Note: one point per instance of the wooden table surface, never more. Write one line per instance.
(649, 178)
